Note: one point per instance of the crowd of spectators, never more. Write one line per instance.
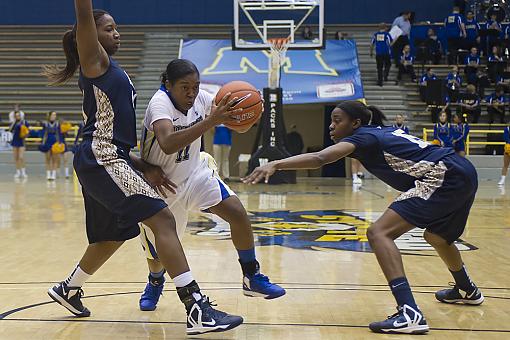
(477, 53)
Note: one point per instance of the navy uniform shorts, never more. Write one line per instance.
(440, 203)
(116, 196)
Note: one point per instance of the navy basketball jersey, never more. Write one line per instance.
(396, 158)
(109, 106)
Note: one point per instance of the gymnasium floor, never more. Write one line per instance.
(318, 252)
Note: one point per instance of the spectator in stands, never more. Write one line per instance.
(382, 41)
(506, 156)
(429, 75)
(341, 35)
(459, 133)
(222, 144)
(294, 141)
(469, 104)
(435, 110)
(472, 31)
(50, 146)
(497, 103)
(19, 130)
(433, 47)
(494, 31)
(307, 33)
(455, 32)
(406, 65)
(453, 84)
(404, 24)
(495, 65)
(442, 131)
(461, 4)
(482, 81)
(400, 123)
(472, 63)
(12, 114)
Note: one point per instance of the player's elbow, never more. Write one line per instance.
(169, 149)
(320, 160)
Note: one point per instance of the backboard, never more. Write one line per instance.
(256, 21)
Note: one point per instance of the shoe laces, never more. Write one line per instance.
(399, 311)
(152, 291)
(261, 278)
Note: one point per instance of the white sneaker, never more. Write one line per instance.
(48, 175)
(501, 182)
(357, 181)
(17, 175)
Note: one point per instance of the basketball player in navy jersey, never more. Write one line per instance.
(438, 188)
(116, 197)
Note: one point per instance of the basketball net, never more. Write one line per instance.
(279, 48)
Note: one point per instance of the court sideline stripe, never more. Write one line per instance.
(235, 282)
(19, 309)
(256, 324)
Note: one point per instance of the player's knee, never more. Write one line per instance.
(162, 223)
(373, 233)
(434, 240)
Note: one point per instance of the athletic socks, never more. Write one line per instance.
(156, 278)
(463, 280)
(248, 261)
(402, 292)
(502, 180)
(23, 172)
(187, 288)
(48, 174)
(77, 278)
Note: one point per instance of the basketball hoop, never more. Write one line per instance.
(279, 48)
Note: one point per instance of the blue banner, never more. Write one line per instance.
(307, 76)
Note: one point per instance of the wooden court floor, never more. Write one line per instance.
(312, 241)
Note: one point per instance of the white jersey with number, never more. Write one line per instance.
(180, 165)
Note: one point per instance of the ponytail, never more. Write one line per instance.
(58, 75)
(377, 117)
(368, 115)
(164, 78)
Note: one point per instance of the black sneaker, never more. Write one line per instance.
(455, 294)
(406, 320)
(70, 298)
(203, 318)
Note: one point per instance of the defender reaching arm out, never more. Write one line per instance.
(306, 161)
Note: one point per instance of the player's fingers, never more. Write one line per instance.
(232, 102)
(170, 183)
(169, 188)
(161, 191)
(267, 177)
(225, 99)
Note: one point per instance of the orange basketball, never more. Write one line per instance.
(249, 100)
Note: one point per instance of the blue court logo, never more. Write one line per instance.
(315, 229)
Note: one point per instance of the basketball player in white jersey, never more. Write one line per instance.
(178, 115)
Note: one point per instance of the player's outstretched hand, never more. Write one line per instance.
(261, 172)
(224, 111)
(158, 180)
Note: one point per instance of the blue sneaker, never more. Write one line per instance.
(259, 285)
(407, 321)
(151, 294)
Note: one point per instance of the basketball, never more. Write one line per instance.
(249, 100)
